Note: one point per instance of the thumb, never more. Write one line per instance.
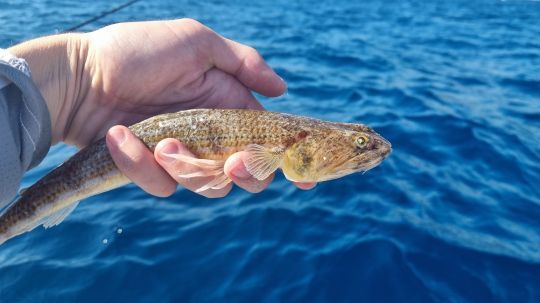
(137, 162)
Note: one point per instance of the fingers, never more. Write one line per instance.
(305, 186)
(236, 170)
(236, 59)
(135, 161)
(246, 64)
(165, 153)
(227, 92)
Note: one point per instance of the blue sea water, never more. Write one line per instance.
(453, 215)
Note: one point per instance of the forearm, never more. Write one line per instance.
(57, 70)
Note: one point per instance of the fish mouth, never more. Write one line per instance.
(377, 158)
(381, 147)
(354, 167)
(373, 163)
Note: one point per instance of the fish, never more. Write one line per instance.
(304, 148)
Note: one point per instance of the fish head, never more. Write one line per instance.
(336, 151)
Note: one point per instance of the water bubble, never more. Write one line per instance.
(105, 241)
(119, 231)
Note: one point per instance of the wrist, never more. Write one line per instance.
(57, 66)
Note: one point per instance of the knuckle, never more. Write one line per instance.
(194, 26)
(190, 22)
(251, 51)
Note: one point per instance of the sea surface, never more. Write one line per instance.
(453, 215)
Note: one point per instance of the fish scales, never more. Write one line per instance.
(209, 134)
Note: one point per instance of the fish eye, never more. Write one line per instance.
(361, 141)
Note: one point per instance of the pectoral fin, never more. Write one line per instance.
(202, 163)
(263, 161)
(219, 182)
(209, 168)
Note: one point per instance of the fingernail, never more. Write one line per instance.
(167, 150)
(241, 173)
(117, 135)
(285, 87)
(283, 81)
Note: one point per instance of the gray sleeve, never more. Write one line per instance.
(25, 129)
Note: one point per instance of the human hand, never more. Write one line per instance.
(127, 72)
